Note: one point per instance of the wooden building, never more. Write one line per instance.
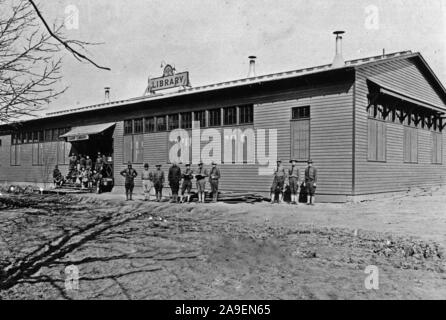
(371, 125)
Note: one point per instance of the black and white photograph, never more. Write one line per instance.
(222, 150)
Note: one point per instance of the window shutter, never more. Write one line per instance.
(128, 145)
(372, 139)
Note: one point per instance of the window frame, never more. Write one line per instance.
(211, 117)
(242, 115)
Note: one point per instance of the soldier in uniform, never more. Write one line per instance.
(214, 176)
(83, 161)
(129, 174)
(293, 181)
(158, 182)
(278, 185)
(99, 162)
(89, 163)
(72, 168)
(147, 183)
(188, 175)
(174, 177)
(201, 176)
(310, 182)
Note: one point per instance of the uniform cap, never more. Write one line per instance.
(293, 160)
(146, 165)
(310, 161)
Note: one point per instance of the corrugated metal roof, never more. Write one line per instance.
(235, 83)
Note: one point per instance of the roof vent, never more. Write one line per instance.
(252, 66)
(338, 59)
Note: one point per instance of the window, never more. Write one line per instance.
(410, 145)
(149, 124)
(186, 120)
(0, 142)
(214, 117)
(134, 148)
(29, 137)
(246, 114)
(128, 126)
(161, 123)
(55, 134)
(376, 140)
(200, 116)
(437, 150)
(22, 137)
(137, 126)
(230, 116)
(300, 113)
(174, 122)
(48, 135)
(41, 137)
(15, 155)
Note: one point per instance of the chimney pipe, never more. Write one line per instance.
(338, 59)
(252, 66)
(107, 94)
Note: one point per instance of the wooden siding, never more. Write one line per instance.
(26, 172)
(394, 174)
(330, 142)
(330, 137)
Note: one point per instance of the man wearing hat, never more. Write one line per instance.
(129, 174)
(310, 182)
(158, 182)
(201, 176)
(187, 183)
(99, 162)
(279, 178)
(147, 183)
(174, 177)
(214, 176)
(293, 179)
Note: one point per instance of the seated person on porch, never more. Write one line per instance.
(57, 177)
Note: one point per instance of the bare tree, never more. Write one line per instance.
(30, 59)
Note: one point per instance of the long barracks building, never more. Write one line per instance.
(371, 125)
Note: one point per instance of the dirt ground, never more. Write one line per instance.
(141, 250)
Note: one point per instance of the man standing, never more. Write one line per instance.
(187, 183)
(83, 161)
(158, 182)
(293, 179)
(279, 178)
(214, 176)
(310, 182)
(201, 181)
(147, 183)
(129, 174)
(89, 163)
(174, 177)
(99, 162)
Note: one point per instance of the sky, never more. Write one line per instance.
(212, 39)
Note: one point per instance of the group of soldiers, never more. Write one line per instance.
(290, 177)
(155, 180)
(82, 171)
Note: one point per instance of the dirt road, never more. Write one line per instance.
(138, 250)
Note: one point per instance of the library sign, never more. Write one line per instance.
(170, 79)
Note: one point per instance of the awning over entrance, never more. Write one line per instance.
(84, 132)
(394, 92)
